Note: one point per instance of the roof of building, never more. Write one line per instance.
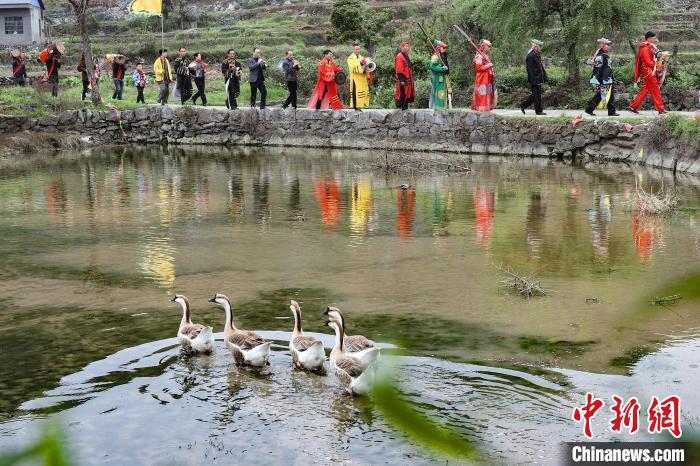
(36, 3)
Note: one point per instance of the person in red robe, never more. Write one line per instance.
(645, 70)
(405, 89)
(484, 95)
(325, 93)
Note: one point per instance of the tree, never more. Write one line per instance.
(352, 20)
(576, 23)
(80, 8)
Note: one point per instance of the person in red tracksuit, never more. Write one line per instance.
(645, 70)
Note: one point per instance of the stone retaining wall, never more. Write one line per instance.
(420, 130)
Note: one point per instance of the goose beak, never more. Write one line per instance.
(325, 313)
(212, 299)
(174, 299)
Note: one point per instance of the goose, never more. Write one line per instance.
(194, 338)
(353, 376)
(247, 347)
(357, 346)
(307, 352)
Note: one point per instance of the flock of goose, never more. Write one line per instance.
(351, 359)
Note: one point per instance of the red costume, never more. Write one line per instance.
(645, 69)
(484, 95)
(405, 90)
(325, 93)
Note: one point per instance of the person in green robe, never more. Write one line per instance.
(441, 89)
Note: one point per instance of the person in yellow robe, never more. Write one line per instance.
(359, 79)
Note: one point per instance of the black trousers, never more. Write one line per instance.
(535, 97)
(139, 96)
(402, 103)
(596, 100)
(254, 87)
(321, 97)
(199, 82)
(53, 80)
(86, 85)
(233, 92)
(292, 99)
(184, 84)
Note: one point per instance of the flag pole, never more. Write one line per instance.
(162, 28)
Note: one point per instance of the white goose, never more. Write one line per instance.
(194, 338)
(349, 370)
(307, 352)
(247, 347)
(357, 346)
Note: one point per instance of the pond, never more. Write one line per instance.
(96, 244)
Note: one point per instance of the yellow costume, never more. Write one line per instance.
(359, 82)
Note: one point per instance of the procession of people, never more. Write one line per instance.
(649, 69)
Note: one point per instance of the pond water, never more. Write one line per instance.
(95, 245)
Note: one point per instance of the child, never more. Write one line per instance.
(140, 81)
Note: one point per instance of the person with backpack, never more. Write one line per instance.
(53, 64)
(19, 69)
(603, 80)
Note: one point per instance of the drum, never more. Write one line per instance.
(15, 53)
(340, 78)
(57, 47)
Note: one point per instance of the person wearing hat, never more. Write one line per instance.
(19, 69)
(140, 81)
(440, 83)
(645, 70)
(164, 76)
(484, 95)
(405, 88)
(325, 93)
(53, 64)
(536, 76)
(359, 79)
(603, 80)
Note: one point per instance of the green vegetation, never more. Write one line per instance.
(430, 433)
(685, 129)
(49, 450)
(631, 357)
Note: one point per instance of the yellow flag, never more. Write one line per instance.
(149, 7)
(641, 153)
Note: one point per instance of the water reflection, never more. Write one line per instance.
(406, 205)
(363, 215)
(648, 234)
(328, 198)
(484, 204)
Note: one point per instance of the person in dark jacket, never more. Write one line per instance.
(291, 70)
(118, 73)
(232, 71)
(602, 79)
(19, 70)
(256, 66)
(184, 78)
(53, 64)
(198, 69)
(536, 76)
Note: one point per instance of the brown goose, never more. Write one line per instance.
(307, 352)
(246, 347)
(349, 370)
(194, 338)
(356, 345)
